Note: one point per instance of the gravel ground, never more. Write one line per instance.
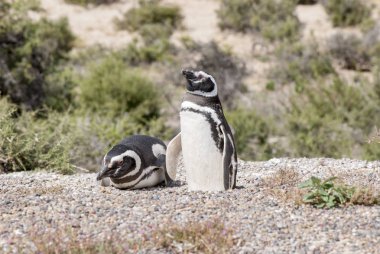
(33, 202)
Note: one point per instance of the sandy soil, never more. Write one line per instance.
(92, 25)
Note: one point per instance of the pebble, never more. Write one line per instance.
(42, 201)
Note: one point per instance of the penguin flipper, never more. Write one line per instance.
(161, 163)
(172, 155)
(229, 160)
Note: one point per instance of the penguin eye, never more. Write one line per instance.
(119, 163)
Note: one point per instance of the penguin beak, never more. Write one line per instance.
(104, 172)
(189, 75)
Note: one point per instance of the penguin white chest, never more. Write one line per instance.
(202, 159)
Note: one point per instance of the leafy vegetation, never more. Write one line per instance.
(274, 20)
(328, 194)
(30, 51)
(251, 134)
(97, 98)
(151, 13)
(300, 64)
(325, 119)
(346, 12)
(155, 23)
(30, 143)
(109, 87)
(350, 51)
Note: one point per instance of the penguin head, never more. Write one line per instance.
(118, 162)
(200, 83)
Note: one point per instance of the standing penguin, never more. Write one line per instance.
(136, 162)
(206, 140)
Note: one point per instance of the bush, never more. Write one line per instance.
(30, 143)
(110, 88)
(297, 63)
(155, 23)
(251, 134)
(150, 13)
(346, 12)
(29, 52)
(327, 120)
(350, 51)
(159, 50)
(94, 2)
(274, 20)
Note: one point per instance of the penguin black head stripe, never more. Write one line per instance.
(136, 162)
(200, 83)
(118, 162)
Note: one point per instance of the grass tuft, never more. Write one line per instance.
(282, 186)
(195, 237)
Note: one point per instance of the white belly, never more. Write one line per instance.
(202, 159)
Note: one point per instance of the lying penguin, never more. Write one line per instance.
(136, 162)
(206, 140)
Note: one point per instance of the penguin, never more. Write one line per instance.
(206, 140)
(136, 162)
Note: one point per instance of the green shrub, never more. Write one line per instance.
(110, 88)
(251, 134)
(350, 52)
(372, 147)
(274, 20)
(329, 193)
(58, 89)
(299, 64)
(155, 23)
(159, 50)
(94, 2)
(326, 194)
(151, 12)
(326, 120)
(30, 143)
(346, 12)
(29, 51)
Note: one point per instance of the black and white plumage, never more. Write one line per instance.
(136, 162)
(205, 139)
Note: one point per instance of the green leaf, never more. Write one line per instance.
(327, 185)
(322, 192)
(315, 180)
(306, 184)
(330, 204)
(325, 198)
(308, 197)
(320, 205)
